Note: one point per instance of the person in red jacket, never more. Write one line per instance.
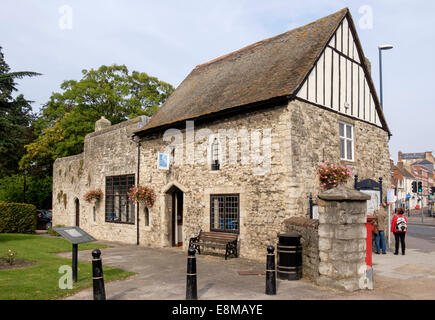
(399, 227)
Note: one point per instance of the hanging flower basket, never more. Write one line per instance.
(142, 194)
(331, 175)
(93, 195)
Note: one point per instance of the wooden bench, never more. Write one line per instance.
(221, 240)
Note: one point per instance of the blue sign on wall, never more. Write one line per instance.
(163, 161)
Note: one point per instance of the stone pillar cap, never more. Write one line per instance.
(344, 193)
(102, 123)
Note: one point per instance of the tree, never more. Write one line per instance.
(15, 119)
(38, 190)
(109, 91)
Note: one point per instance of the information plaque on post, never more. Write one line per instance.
(75, 235)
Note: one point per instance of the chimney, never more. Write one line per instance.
(102, 124)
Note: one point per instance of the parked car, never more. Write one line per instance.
(43, 220)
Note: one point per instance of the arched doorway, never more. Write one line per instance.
(175, 204)
(77, 204)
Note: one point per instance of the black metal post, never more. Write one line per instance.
(380, 77)
(97, 275)
(311, 206)
(191, 292)
(380, 188)
(270, 272)
(137, 205)
(356, 182)
(75, 250)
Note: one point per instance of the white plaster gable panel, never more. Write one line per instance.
(338, 80)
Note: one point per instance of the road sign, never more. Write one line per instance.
(408, 196)
(390, 196)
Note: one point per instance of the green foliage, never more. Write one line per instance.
(54, 233)
(41, 281)
(10, 256)
(17, 218)
(109, 91)
(38, 190)
(15, 119)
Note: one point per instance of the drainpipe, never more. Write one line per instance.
(136, 139)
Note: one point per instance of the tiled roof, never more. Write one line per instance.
(271, 68)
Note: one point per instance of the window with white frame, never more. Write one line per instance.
(346, 142)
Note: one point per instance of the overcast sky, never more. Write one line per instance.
(167, 39)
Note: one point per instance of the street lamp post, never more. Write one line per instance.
(381, 48)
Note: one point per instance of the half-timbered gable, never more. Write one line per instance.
(340, 79)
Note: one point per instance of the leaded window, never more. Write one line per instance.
(224, 213)
(119, 209)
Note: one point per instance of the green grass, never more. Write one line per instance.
(41, 281)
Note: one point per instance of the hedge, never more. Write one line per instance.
(17, 218)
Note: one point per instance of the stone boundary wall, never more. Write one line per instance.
(308, 229)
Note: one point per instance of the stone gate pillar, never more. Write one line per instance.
(342, 239)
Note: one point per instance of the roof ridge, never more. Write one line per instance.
(346, 9)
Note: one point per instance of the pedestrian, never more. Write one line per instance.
(399, 227)
(380, 226)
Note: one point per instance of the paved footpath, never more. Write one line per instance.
(161, 275)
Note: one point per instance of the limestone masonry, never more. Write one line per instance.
(289, 117)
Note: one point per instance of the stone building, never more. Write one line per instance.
(243, 137)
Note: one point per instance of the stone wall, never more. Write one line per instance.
(109, 151)
(315, 138)
(342, 239)
(308, 230)
(302, 135)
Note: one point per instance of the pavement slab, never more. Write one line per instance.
(162, 276)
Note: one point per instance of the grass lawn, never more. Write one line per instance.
(41, 281)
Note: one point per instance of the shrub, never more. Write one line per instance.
(17, 218)
(10, 257)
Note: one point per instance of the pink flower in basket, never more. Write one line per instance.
(142, 194)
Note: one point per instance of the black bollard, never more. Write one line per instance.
(191, 293)
(270, 272)
(75, 250)
(97, 275)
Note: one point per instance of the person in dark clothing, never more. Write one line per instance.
(399, 227)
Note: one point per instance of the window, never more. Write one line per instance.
(224, 213)
(118, 208)
(215, 155)
(346, 141)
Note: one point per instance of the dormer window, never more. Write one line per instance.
(215, 155)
